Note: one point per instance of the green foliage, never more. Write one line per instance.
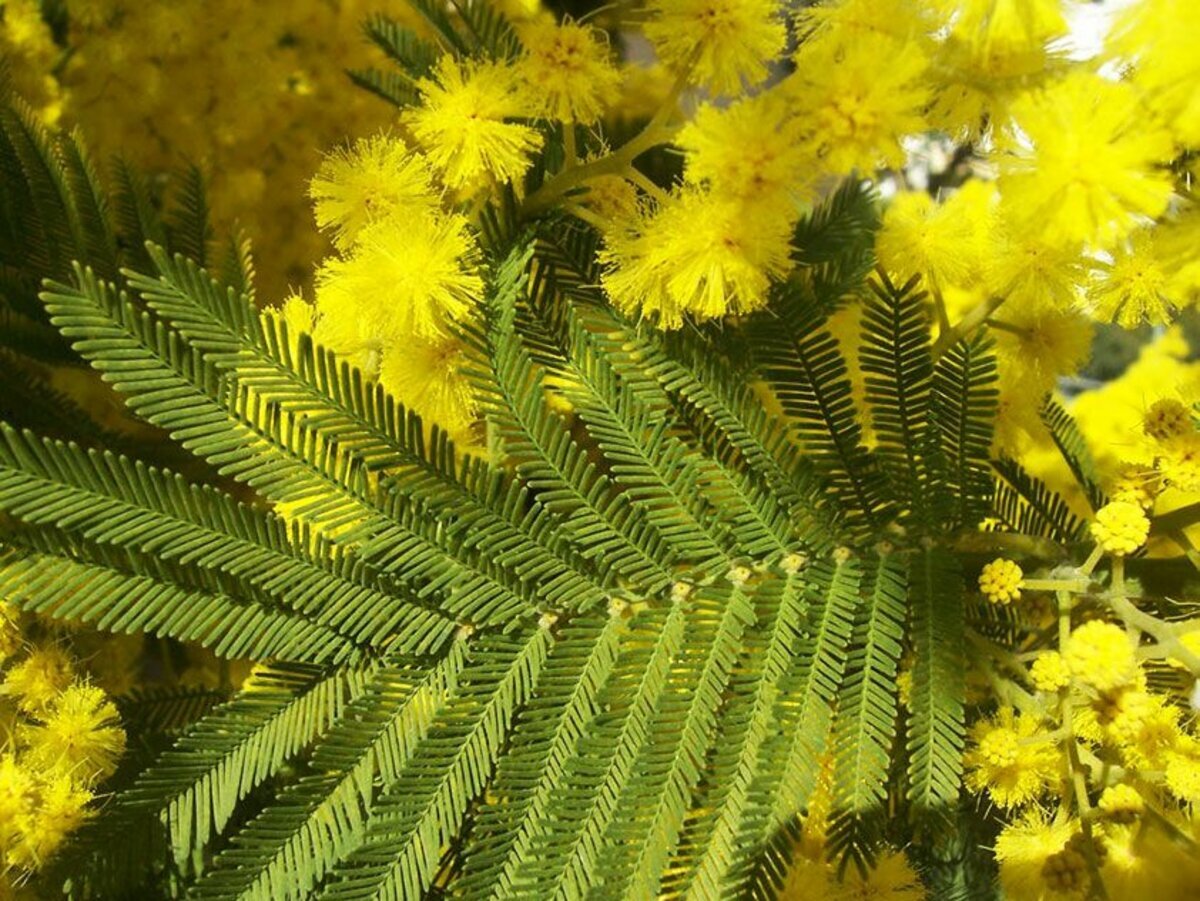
(615, 660)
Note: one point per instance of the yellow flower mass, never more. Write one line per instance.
(977, 211)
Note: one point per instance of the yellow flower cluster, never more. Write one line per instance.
(1111, 750)
(252, 92)
(62, 738)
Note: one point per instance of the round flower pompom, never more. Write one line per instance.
(39, 678)
(1001, 581)
(1121, 527)
(462, 124)
(377, 177)
(1121, 802)
(1024, 846)
(729, 42)
(80, 734)
(1049, 672)
(1100, 655)
(1179, 465)
(1082, 161)
(1183, 777)
(1166, 419)
(569, 70)
(1012, 758)
(404, 279)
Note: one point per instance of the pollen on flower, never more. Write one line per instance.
(1081, 161)
(695, 255)
(750, 150)
(1179, 465)
(428, 376)
(1100, 655)
(1000, 581)
(39, 678)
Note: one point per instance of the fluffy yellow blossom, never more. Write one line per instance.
(1012, 758)
(857, 111)
(921, 236)
(1049, 672)
(1023, 847)
(427, 376)
(1137, 286)
(61, 807)
(727, 42)
(1111, 417)
(80, 734)
(1157, 40)
(1040, 344)
(569, 70)
(1180, 463)
(1006, 23)
(749, 150)
(1141, 726)
(377, 177)
(1031, 273)
(1135, 484)
(17, 793)
(403, 279)
(1183, 775)
(39, 678)
(1121, 802)
(1120, 527)
(695, 254)
(1078, 165)
(1101, 655)
(1000, 581)
(462, 124)
(891, 878)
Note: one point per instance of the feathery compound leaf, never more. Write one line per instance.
(1074, 450)
(652, 809)
(895, 355)
(288, 849)
(805, 708)
(936, 724)
(423, 808)
(530, 776)
(568, 851)
(195, 786)
(808, 375)
(1028, 505)
(963, 408)
(866, 724)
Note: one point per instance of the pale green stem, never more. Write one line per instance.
(1078, 777)
(973, 319)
